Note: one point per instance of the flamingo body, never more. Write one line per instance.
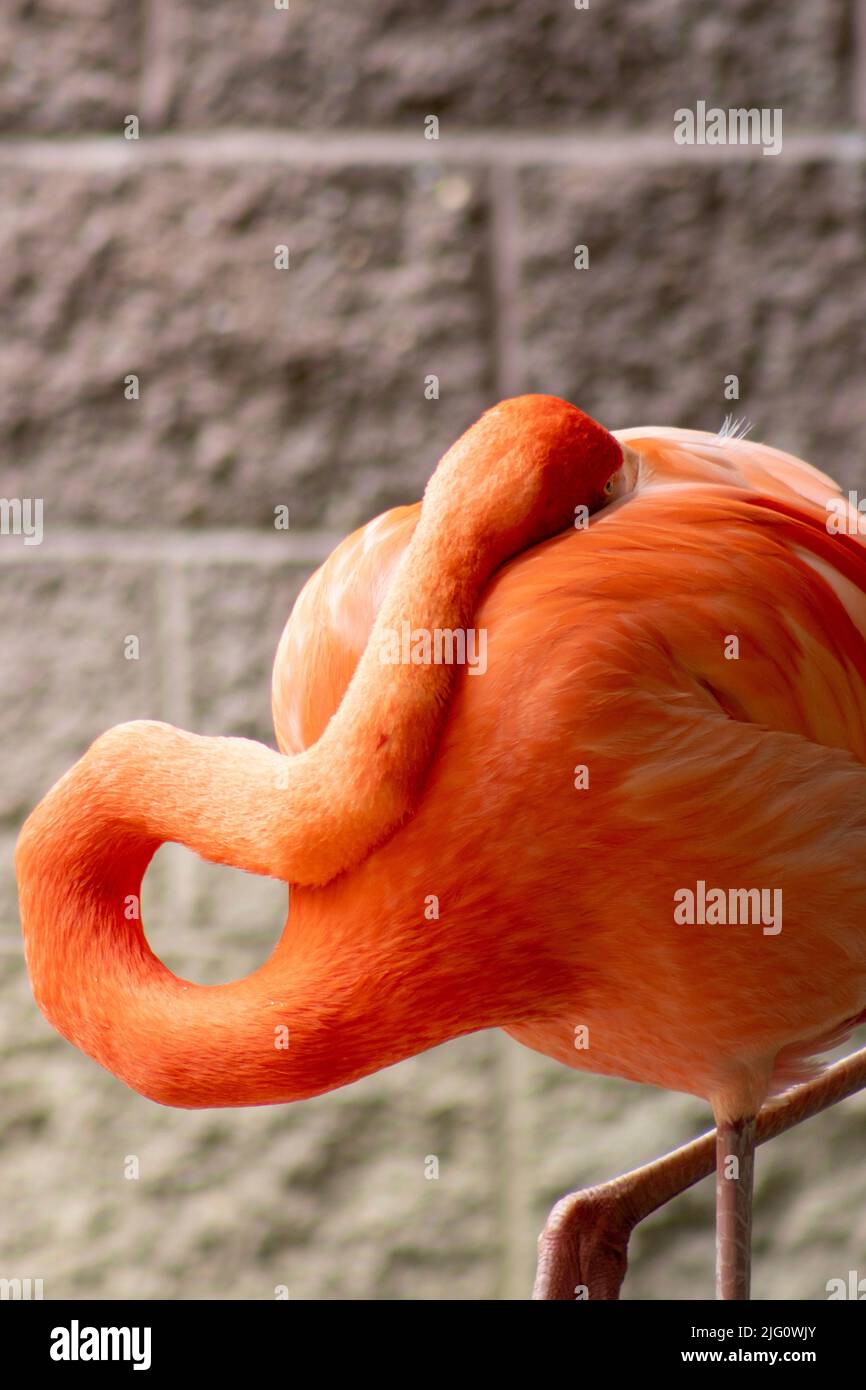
(606, 650)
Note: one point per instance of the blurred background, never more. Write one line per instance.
(164, 387)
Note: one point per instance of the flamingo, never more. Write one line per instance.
(675, 695)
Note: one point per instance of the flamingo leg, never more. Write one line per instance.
(583, 1249)
(735, 1166)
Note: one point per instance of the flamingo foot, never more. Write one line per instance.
(583, 1249)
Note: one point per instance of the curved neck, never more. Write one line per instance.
(350, 988)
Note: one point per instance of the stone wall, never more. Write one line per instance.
(408, 257)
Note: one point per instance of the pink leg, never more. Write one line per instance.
(735, 1166)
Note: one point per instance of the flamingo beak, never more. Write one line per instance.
(625, 478)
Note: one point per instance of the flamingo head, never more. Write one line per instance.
(524, 471)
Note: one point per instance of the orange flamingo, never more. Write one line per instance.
(696, 654)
